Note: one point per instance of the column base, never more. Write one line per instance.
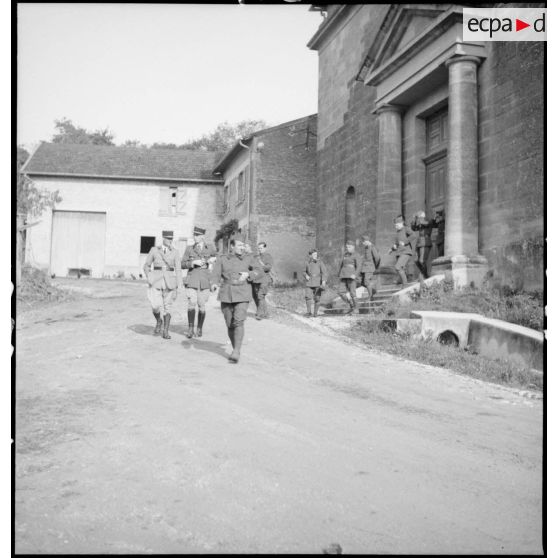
(463, 270)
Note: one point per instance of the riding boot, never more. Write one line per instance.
(238, 334)
(201, 318)
(230, 332)
(316, 306)
(166, 323)
(308, 309)
(191, 320)
(157, 329)
(403, 277)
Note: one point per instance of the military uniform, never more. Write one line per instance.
(404, 248)
(163, 282)
(440, 223)
(260, 285)
(423, 227)
(316, 275)
(370, 262)
(235, 293)
(197, 283)
(349, 270)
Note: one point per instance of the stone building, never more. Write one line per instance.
(412, 117)
(270, 189)
(116, 201)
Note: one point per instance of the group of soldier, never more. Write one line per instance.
(242, 276)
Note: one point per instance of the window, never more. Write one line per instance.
(437, 131)
(241, 187)
(146, 243)
(173, 199)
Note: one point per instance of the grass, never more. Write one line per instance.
(521, 308)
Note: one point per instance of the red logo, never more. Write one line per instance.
(519, 25)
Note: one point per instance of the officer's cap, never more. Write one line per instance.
(351, 242)
(168, 234)
(198, 231)
(365, 238)
(310, 252)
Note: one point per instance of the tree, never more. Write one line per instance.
(68, 132)
(31, 200)
(225, 135)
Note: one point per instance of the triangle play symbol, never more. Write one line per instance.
(519, 25)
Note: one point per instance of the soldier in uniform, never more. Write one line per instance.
(260, 286)
(234, 272)
(316, 275)
(197, 259)
(370, 262)
(404, 246)
(440, 224)
(164, 281)
(423, 227)
(348, 272)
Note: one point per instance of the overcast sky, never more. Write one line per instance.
(164, 73)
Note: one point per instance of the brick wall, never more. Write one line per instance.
(132, 210)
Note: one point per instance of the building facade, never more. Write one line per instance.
(411, 117)
(116, 201)
(270, 189)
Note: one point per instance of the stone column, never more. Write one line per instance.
(388, 190)
(461, 247)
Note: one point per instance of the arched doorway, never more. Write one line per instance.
(350, 214)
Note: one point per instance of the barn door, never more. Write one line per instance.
(78, 242)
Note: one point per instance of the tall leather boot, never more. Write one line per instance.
(316, 306)
(157, 329)
(191, 320)
(238, 334)
(265, 313)
(308, 309)
(201, 318)
(230, 332)
(166, 323)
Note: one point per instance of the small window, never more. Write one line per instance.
(146, 243)
(173, 199)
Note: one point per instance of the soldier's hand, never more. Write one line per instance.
(307, 277)
(323, 284)
(353, 276)
(244, 275)
(214, 288)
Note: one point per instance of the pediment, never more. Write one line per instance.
(401, 25)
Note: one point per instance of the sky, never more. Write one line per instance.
(162, 73)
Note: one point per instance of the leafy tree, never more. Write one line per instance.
(31, 200)
(68, 132)
(225, 135)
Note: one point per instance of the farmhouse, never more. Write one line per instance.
(412, 117)
(116, 201)
(270, 190)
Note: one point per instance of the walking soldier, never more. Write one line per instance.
(423, 227)
(260, 285)
(234, 272)
(163, 281)
(370, 262)
(197, 260)
(404, 247)
(316, 275)
(348, 272)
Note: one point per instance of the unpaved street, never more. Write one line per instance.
(130, 443)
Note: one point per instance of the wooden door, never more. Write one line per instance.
(435, 186)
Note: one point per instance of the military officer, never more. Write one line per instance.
(440, 224)
(349, 270)
(260, 285)
(423, 227)
(197, 259)
(370, 262)
(234, 272)
(163, 281)
(315, 274)
(404, 247)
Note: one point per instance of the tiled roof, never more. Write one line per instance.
(127, 162)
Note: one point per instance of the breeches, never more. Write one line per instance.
(422, 254)
(234, 313)
(368, 280)
(197, 297)
(402, 260)
(313, 293)
(348, 285)
(161, 299)
(259, 290)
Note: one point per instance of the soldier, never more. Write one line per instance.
(370, 262)
(163, 281)
(197, 260)
(260, 286)
(440, 224)
(348, 272)
(316, 275)
(404, 247)
(235, 271)
(423, 227)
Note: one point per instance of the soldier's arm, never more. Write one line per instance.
(255, 269)
(148, 262)
(412, 237)
(178, 270)
(215, 276)
(323, 271)
(186, 259)
(358, 265)
(375, 255)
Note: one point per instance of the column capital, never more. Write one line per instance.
(389, 108)
(463, 58)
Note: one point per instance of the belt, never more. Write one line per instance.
(163, 268)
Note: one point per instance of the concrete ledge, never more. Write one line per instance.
(434, 324)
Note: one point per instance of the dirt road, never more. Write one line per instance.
(130, 443)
